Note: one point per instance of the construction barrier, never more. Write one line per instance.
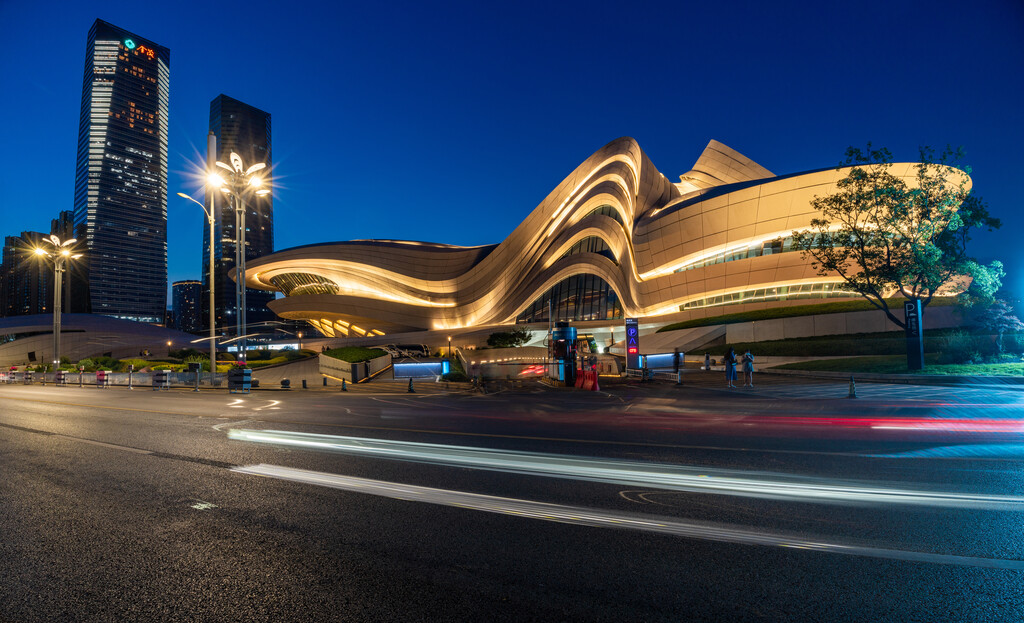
(102, 378)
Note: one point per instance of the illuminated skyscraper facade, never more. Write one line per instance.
(245, 130)
(121, 174)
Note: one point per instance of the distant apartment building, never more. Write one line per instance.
(186, 307)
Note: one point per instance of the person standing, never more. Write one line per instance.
(730, 367)
(748, 369)
(675, 361)
(707, 362)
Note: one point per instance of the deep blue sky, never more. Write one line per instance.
(451, 122)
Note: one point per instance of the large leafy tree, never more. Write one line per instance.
(885, 236)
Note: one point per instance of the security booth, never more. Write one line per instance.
(562, 353)
(239, 380)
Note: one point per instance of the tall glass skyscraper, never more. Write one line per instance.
(121, 174)
(245, 130)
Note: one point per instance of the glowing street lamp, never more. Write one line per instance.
(213, 338)
(238, 183)
(60, 255)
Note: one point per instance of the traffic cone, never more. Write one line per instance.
(344, 388)
(411, 390)
(853, 388)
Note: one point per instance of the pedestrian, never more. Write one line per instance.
(748, 369)
(707, 362)
(675, 361)
(730, 367)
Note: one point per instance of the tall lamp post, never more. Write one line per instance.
(213, 338)
(238, 183)
(60, 255)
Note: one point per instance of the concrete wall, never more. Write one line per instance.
(352, 372)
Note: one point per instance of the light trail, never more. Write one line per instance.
(596, 518)
(634, 473)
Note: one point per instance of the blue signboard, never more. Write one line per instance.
(633, 343)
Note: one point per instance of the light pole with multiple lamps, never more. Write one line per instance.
(237, 183)
(213, 334)
(60, 255)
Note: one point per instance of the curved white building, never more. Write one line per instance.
(615, 239)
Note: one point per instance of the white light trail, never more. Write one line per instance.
(597, 518)
(635, 473)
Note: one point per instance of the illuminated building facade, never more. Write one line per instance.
(246, 131)
(616, 239)
(121, 175)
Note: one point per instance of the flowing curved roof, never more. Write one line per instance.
(717, 236)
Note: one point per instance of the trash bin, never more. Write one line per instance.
(161, 379)
(239, 380)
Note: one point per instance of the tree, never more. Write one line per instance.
(999, 319)
(886, 237)
(509, 339)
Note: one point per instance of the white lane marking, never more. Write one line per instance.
(105, 445)
(271, 405)
(204, 506)
(220, 427)
(597, 518)
(236, 404)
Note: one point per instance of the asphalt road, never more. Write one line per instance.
(640, 503)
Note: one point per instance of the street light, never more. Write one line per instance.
(300, 340)
(213, 338)
(60, 255)
(449, 348)
(237, 184)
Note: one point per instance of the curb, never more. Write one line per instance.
(905, 379)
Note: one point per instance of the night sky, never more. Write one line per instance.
(450, 122)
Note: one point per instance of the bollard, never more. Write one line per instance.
(853, 388)
(411, 390)
(325, 381)
(344, 387)
(304, 384)
(131, 370)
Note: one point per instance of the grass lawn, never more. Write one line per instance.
(897, 364)
(798, 310)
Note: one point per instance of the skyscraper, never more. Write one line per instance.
(121, 173)
(186, 296)
(245, 130)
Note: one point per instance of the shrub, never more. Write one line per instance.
(959, 347)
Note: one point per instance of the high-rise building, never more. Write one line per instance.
(245, 130)
(26, 280)
(121, 174)
(186, 307)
